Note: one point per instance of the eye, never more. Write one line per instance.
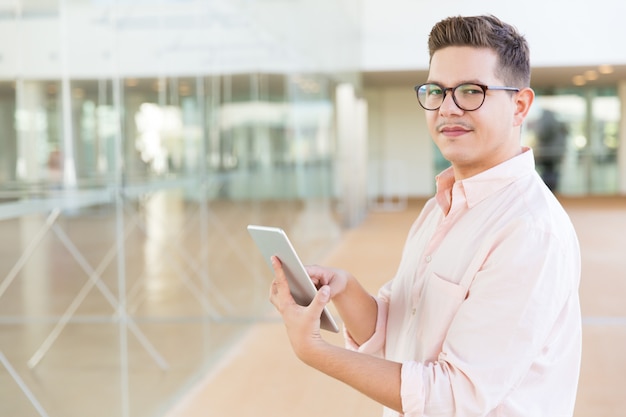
(434, 90)
(470, 90)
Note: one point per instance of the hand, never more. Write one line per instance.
(302, 323)
(357, 308)
(376, 377)
(336, 279)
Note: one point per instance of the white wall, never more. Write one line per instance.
(147, 39)
(198, 36)
(560, 33)
(398, 135)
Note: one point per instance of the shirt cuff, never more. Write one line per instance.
(376, 343)
(412, 389)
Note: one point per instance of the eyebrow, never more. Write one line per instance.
(473, 81)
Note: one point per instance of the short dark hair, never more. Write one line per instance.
(486, 31)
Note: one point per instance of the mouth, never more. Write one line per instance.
(454, 130)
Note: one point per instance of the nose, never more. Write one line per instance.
(448, 106)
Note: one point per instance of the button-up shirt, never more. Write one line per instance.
(483, 312)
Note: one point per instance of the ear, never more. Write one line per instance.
(523, 100)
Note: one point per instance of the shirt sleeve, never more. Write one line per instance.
(375, 345)
(513, 314)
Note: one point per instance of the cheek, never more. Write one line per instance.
(497, 121)
(506, 122)
(507, 116)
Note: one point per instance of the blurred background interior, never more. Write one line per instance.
(138, 138)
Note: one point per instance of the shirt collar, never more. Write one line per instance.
(486, 183)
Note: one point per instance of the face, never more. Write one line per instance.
(474, 141)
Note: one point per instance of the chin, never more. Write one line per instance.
(455, 155)
(459, 159)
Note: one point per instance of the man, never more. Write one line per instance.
(482, 317)
(549, 151)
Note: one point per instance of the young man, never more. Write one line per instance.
(483, 316)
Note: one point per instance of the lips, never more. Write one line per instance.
(454, 130)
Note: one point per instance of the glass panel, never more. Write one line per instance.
(556, 126)
(574, 138)
(8, 135)
(604, 144)
(135, 150)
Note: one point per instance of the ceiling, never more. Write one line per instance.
(545, 78)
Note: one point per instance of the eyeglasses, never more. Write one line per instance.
(467, 97)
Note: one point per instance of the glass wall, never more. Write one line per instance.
(574, 134)
(175, 128)
(138, 140)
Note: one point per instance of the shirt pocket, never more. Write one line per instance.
(439, 302)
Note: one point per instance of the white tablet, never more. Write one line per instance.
(274, 241)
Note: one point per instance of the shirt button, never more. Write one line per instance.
(428, 258)
(413, 311)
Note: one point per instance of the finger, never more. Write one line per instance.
(278, 268)
(320, 300)
(323, 296)
(279, 291)
(317, 274)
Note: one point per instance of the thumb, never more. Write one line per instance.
(316, 307)
(323, 295)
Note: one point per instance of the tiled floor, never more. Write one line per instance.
(263, 378)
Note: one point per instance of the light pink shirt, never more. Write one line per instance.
(483, 312)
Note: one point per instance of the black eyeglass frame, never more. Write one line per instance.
(453, 90)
